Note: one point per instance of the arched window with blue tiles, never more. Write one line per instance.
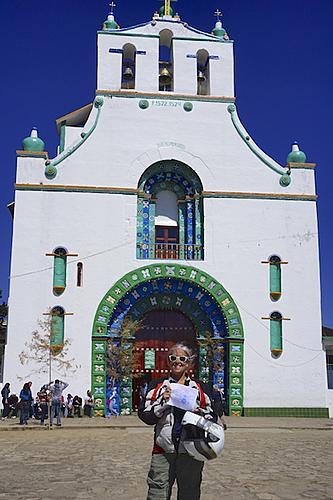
(170, 213)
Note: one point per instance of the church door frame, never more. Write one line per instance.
(128, 283)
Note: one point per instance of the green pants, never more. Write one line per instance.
(167, 468)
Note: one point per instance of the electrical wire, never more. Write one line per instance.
(72, 261)
(280, 364)
(266, 328)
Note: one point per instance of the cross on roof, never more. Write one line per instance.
(112, 5)
(218, 14)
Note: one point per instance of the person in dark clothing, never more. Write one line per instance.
(77, 405)
(170, 461)
(13, 405)
(5, 395)
(42, 401)
(220, 405)
(25, 404)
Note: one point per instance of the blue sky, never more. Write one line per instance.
(283, 64)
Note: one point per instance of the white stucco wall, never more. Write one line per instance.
(239, 233)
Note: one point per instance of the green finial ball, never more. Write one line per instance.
(285, 180)
(295, 155)
(50, 172)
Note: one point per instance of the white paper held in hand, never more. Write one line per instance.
(183, 397)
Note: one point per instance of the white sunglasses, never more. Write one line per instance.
(184, 359)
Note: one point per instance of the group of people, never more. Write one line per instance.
(49, 396)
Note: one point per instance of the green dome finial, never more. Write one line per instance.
(295, 155)
(219, 31)
(33, 142)
(111, 23)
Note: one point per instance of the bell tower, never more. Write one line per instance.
(165, 55)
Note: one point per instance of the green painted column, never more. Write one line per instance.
(181, 227)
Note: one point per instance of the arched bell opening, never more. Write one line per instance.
(203, 72)
(128, 73)
(166, 61)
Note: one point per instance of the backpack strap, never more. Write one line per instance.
(157, 388)
(202, 396)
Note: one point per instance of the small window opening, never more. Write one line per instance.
(275, 288)
(59, 270)
(57, 335)
(276, 334)
(79, 274)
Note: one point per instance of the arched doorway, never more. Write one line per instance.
(176, 288)
(158, 332)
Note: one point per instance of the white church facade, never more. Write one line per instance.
(160, 207)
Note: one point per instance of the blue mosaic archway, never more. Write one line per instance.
(174, 287)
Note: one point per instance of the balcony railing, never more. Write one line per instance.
(174, 251)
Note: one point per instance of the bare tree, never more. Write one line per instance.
(121, 359)
(46, 356)
(214, 351)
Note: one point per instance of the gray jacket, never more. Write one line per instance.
(57, 390)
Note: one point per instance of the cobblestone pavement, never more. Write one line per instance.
(94, 460)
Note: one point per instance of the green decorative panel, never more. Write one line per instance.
(203, 366)
(126, 396)
(235, 389)
(287, 412)
(99, 376)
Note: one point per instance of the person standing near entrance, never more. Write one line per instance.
(25, 403)
(56, 389)
(5, 395)
(170, 461)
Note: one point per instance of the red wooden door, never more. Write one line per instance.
(160, 330)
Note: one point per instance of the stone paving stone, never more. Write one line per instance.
(257, 464)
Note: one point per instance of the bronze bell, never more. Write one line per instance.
(201, 76)
(128, 73)
(165, 77)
